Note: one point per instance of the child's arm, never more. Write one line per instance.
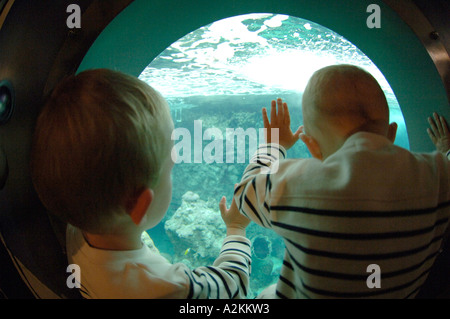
(439, 133)
(259, 181)
(234, 221)
(228, 278)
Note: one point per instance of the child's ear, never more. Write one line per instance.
(312, 145)
(140, 206)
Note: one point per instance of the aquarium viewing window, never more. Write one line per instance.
(216, 79)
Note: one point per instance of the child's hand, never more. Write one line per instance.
(281, 121)
(235, 221)
(439, 133)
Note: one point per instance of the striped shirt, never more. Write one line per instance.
(370, 204)
(143, 273)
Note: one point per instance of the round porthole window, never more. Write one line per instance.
(216, 79)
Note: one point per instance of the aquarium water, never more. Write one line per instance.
(216, 80)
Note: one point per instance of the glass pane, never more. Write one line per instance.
(216, 79)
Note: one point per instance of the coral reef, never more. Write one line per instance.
(196, 231)
(213, 180)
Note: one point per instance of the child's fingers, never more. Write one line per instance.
(298, 132)
(233, 204)
(265, 118)
(301, 129)
(267, 135)
(444, 125)
(431, 135)
(273, 112)
(280, 108)
(438, 125)
(223, 205)
(287, 116)
(433, 127)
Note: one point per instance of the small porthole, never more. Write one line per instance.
(6, 101)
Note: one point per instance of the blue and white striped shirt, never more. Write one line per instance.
(144, 274)
(370, 203)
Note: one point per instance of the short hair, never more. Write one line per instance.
(344, 92)
(100, 139)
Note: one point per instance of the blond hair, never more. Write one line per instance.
(100, 139)
(347, 97)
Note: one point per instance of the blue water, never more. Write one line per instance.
(222, 75)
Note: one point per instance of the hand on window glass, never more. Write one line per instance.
(439, 133)
(280, 120)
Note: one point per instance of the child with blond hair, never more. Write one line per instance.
(362, 218)
(101, 162)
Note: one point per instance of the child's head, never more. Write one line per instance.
(102, 138)
(339, 101)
